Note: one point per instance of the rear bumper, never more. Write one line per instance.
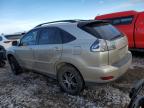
(95, 74)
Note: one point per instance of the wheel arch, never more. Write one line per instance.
(59, 65)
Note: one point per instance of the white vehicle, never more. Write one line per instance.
(6, 40)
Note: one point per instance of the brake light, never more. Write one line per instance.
(99, 45)
(111, 45)
(107, 78)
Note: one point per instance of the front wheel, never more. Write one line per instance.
(70, 80)
(15, 67)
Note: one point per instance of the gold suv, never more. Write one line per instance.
(75, 52)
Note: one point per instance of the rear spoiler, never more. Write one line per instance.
(88, 22)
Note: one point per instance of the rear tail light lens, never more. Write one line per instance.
(111, 45)
(99, 45)
(107, 78)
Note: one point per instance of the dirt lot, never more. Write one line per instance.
(31, 90)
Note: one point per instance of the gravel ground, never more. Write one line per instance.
(32, 90)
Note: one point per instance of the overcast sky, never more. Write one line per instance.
(22, 15)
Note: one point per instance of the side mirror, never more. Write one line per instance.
(15, 43)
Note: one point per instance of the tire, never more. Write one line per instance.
(2, 63)
(15, 67)
(70, 80)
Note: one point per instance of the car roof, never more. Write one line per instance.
(67, 22)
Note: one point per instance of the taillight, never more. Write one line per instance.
(111, 45)
(107, 78)
(99, 45)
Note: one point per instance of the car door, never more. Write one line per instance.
(49, 49)
(24, 52)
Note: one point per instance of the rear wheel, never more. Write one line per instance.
(15, 67)
(70, 80)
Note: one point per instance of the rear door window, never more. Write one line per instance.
(49, 36)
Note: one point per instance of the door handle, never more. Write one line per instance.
(26, 47)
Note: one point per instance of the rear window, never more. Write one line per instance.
(11, 37)
(120, 20)
(126, 20)
(104, 31)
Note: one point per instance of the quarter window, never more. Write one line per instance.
(67, 37)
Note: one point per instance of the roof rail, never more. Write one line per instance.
(71, 21)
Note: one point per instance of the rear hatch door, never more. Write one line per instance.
(117, 44)
(115, 55)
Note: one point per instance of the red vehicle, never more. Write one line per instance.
(129, 22)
